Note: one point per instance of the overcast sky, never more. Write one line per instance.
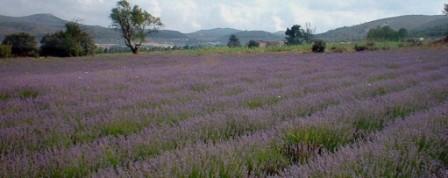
(269, 15)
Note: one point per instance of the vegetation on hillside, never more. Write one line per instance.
(71, 42)
(386, 33)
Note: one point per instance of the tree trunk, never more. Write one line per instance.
(134, 50)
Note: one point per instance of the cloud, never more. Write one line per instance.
(269, 15)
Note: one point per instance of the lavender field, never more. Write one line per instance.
(370, 114)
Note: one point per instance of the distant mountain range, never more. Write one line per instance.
(41, 24)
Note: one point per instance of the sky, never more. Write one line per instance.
(268, 15)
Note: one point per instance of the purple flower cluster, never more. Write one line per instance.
(282, 115)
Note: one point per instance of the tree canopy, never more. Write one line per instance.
(296, 35)
(445, 10)
(22, 44)
(71, 42)
(134, 24)
(233, 42)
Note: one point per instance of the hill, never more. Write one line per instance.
(41, 24)
(212, 35)
(417, 25)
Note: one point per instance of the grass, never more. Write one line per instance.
(22, 93)
(259, 102)
(120, 128)
(332, 47)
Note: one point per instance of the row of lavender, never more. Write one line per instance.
(209, 116)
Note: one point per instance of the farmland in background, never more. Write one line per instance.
(368, 114)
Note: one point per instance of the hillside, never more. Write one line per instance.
(212, 35)
(417, 25)
(41, 24)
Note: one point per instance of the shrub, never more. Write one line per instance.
(360, 47)
(253, 44)
(371, 46)
(22, 44)
(319, 46)
(338, 49)
(5, 51)
(72, 42)
(233, 42)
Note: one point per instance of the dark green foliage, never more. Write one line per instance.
(302, 144)
(445, 10)
(386, 34)
(253, 44)
(370, 46)
(295, 35)
(233, 42)
(5, 51)
(360, 47)
(72, 42)
(132, 23)
(319, 46)
(22, 44)
(28, 93)
(402, 33)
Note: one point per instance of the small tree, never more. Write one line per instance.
(233, 42)
(22, 44)
(445, 10)
(319, 46)
(133, 23)
(402, 33)
(308, 33)
(295, 35)
(253, 44)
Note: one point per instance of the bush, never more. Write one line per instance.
(360, 47)
(253, 44)
(233, 42)
(5, 51)
(69, 43)
(338, 49)
(370, 46)
(319, 46)
(22, 44)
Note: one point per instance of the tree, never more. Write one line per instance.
(445, 10)
(253, 44)
(308, 33)
(318, 46)
(233, 42)
(133, 23)
(22, 44)
(71, 42)
(295, 35)
(402, 33)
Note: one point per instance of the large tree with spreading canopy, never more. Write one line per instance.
(134, 24)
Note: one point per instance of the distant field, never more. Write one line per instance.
(368, 114)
